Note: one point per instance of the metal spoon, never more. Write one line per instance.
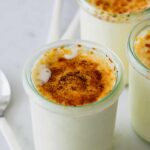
(5, 94)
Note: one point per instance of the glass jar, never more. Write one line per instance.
(73, 128)
(109, 29)
(139, 86)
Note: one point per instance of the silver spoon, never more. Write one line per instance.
(5, 94)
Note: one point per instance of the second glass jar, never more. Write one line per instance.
(111, 30)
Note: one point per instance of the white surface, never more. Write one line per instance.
(24, 26)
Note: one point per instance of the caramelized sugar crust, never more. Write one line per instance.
(78, 81)
(142, 49)
(121, 6)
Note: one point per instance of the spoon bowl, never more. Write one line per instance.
(5, 93)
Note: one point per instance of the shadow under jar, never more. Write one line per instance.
(110, 23)
(139, 78)
(62, 125)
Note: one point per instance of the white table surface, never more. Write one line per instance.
(23, 28)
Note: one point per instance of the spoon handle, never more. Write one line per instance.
(9, 135)
(72, 28)
(54, 33)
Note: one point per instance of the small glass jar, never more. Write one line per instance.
(88, 127)
(139, 86)
(109, 29)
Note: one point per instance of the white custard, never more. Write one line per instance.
(139, 79)
(109, 29)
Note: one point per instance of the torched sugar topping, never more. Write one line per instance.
(119, 11)
(120, 6)
(142, 48)
(74, 76)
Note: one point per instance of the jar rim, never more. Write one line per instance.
(106, 101)
(133, 58)
(124, 17)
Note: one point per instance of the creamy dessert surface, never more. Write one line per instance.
(73, 76)
(121, 6)
(142, 48)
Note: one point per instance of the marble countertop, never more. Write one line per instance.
(24, 27)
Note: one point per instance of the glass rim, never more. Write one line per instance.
(118, 85)
(91, 10)
(139, 66)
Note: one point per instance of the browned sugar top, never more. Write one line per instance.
(75, 82)
(142, 48)
(121, 6)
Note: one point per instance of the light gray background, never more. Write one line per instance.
(24, 27)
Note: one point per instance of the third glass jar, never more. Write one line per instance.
(139, 84)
